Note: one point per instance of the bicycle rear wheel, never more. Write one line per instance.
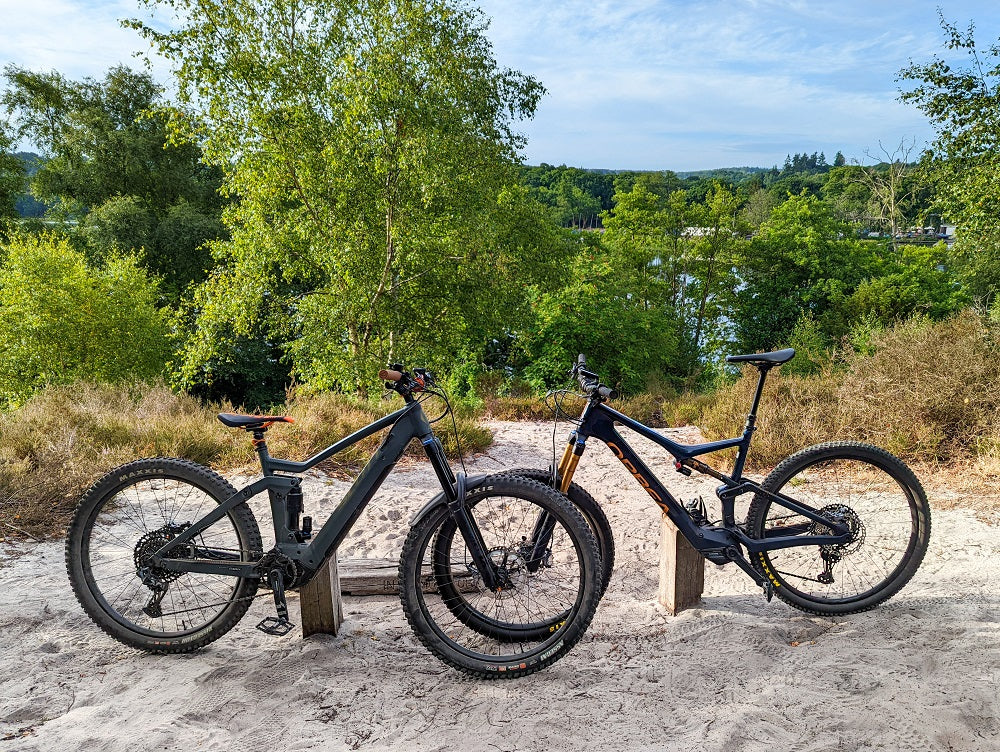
(862, 486)
(127, 516)
(545, 603)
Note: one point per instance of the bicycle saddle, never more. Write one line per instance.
(761, 359)
(251, 422)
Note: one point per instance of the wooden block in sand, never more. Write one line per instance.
(319, 601)
(682, 570)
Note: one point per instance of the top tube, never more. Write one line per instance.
(271, 464)
(598, 419)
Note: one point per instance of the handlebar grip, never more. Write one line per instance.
(389, 375)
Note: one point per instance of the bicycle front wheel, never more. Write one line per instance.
(128, 515)
(548, 592)
(875, 495)
(592, 512)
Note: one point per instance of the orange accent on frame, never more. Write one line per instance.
(635, 473)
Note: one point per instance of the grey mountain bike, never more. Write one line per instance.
(499, 575)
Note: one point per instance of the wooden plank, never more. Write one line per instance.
(319, 601)
(369, 576)
(381, 577)
(682, 570)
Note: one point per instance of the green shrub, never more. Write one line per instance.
(62, 321)
(624, 339)
(120, 224)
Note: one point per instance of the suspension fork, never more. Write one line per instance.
(570, 459)
(454, 490)
(541, 536)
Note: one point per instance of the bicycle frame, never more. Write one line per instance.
(598, 421)
(406, 423)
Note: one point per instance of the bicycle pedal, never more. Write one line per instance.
(272, 625)
(768, 590)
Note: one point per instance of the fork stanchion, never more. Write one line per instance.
(320, 603)
(682, 570)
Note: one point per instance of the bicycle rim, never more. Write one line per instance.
(128, 525)
(525, 615)
(877, 506)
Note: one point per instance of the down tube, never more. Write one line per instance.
(332, 534)
(649, 482)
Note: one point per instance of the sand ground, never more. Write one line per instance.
(921, 672)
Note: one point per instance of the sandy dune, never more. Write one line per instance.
(919, 673)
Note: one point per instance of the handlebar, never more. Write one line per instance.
(590, 382)
(404, 383)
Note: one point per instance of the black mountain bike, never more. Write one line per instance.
(499, 575)
(836, 528)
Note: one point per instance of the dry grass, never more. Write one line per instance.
(927, 392)
(654, 409)
(515, 408)
(65, 438)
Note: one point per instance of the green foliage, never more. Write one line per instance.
(812, 347)
(758, 207)
(848, 194)
(27, 205)
(11, 176)
(172, 246)
(914, 280)
(104, 139)
(179, 245)
(679, 256)
(61, 321)
(802, 260)
(111, 164)
(577, 197)
(962, 102)
(714, 252)
(623, 336)
(372, 148)
(816, 162)
(119, 225)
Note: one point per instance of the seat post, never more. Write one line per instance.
(752, 416)
(260, 446)
(748, 429)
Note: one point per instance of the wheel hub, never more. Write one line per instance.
(511, 570)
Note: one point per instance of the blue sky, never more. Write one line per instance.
(641, 84)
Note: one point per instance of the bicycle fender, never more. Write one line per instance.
(471, 482)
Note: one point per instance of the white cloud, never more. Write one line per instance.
(684, 85)
(678, 84)
(77, 39)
